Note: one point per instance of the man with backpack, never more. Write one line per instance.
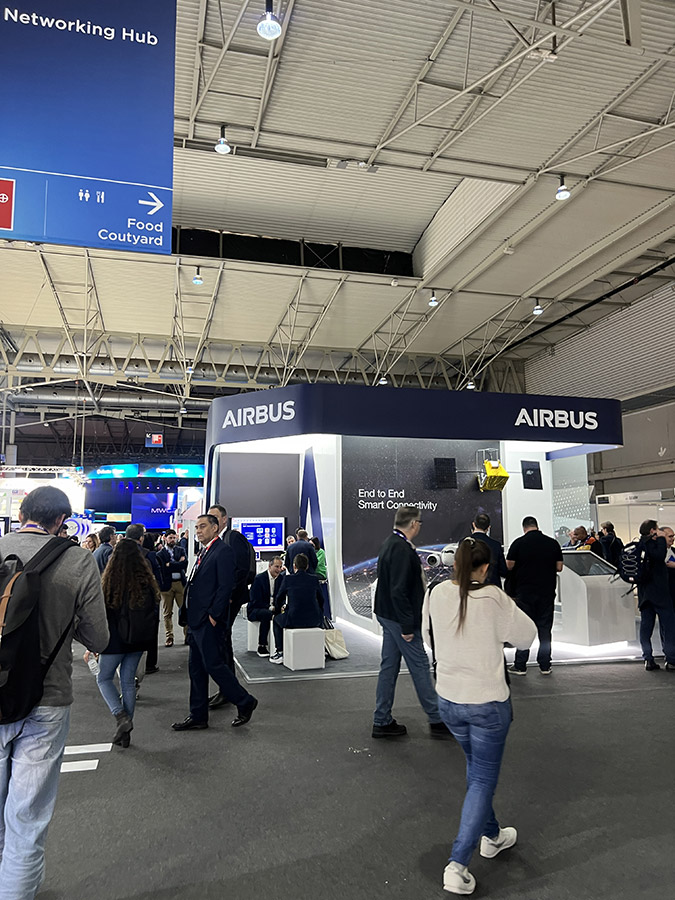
(611, 544)
(654, 595)
(51, 592)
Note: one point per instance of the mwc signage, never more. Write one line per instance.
(86, 141)
(405, 412)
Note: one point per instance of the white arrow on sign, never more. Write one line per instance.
(156, 203)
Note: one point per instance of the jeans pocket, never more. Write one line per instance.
(491, 716)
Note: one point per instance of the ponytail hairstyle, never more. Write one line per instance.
(470, 555)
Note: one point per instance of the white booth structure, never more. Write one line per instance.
(339, 460)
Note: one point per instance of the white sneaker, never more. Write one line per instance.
(458, 880)
(490, 847)
(277, 658)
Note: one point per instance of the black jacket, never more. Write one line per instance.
(115, 644)
(655, 589)
(209, 587)
(260, 591)
(171, 561)
(400, 590)
(612, 547)
(297, 548)
(497, 569)
(242, 555)
(303, 598)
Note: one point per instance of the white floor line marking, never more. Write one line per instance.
(77, 749)
(80, 765)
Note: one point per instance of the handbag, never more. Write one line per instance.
(335, 644)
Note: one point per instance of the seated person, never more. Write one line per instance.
(302, 598)
(580, 539)
(260, 607)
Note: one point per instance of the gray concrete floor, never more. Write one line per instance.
(302, 803)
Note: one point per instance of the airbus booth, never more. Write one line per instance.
(339, 460)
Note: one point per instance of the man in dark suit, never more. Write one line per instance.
(300, 594)
(206, 613)
(480, 532)
(172, 560)
(301, 545)
(398, 607)
(264, 591)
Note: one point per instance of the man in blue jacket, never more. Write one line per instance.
(206, 613)
(301, 545)
(302, 598)
(260, 607)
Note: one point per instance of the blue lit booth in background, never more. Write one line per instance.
(339, 460)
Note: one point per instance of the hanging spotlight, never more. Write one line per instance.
(182, 410)
(538, 309)
(269, 26)
(563, 191)
(433, 300)
(470, 385)
(222, 146)
(197, 277)
(383, 380)
(189, 368)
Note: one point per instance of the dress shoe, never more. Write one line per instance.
(651, 666)
(217, 701)
(670, 667)
(150, 670)
(440, 731)
(392, 730)
(189, 724)
(244, 714)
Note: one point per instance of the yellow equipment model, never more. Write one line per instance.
(494, 478)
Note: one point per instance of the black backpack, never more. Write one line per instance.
(633, 566)
(138, 625)
(22, 669)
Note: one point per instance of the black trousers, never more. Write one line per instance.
(264, 616)
(541, 612)
(206, 659)
(151, 661)
(240, 596)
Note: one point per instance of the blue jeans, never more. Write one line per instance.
(415, 656)
(480, 729)
(108, 664)
(30, 762)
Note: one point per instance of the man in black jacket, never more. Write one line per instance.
(301, 545)
(172, 560)
(398, 607)
(261, 606)
(654, 596)
(205, 612)
(479, 532)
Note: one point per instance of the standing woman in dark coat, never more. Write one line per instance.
(128, 585)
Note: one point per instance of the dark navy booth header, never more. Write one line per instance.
(409, 412)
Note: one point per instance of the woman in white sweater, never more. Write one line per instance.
(471, 622)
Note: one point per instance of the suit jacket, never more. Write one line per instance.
(177, 560)
(151, 557)
(260, 592)
(102, 554)
(498, 569)
(400, 589)
(209, 587)
(302, 594)
(242, 555)
(301, 547)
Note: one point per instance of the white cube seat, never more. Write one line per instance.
(253, 637)
(304, 648)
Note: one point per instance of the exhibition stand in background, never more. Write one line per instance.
(339, 460)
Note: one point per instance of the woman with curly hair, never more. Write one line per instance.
(132, 604)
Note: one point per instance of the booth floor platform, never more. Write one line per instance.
(302, 804)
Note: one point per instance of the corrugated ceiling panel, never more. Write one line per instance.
(388, 209)
(186, 42)
(357, 311)
(25, 298)
(459, 315)
(135, 295)
(462, 212)
(628, 353)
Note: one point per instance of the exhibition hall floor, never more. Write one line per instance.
(302, 804)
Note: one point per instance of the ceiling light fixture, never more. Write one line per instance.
(383, 380)
(470, 385)
(269, 27)
(538, 309)
(182, 410)
(189, 368)
(563, 191)
(222, 146)
(433, 300)
(197, 277)
(394, 282)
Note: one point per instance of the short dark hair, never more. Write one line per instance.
(530, 522)
(149, 540)
(301, 562)
(212, 519)
(405, 516)
(135, 532)
(301, 534)
(169, 531)
(316, 542)
(647, 526)
(280, 558)
(105, 534)
(45, 505)
(482, 521)
(607, 526)
(221, 509)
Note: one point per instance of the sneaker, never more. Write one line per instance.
(514, 671)
(669, 667)
(393, 729)
(651, 666)
(277, 659)
(490, 847)
(458, 880)
(263, 651)
(546, 671)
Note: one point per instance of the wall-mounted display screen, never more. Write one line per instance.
(153, 510)
(262, 533)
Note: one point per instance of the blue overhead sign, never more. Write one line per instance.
(123, 470)
(188, 470)
(86, 142)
